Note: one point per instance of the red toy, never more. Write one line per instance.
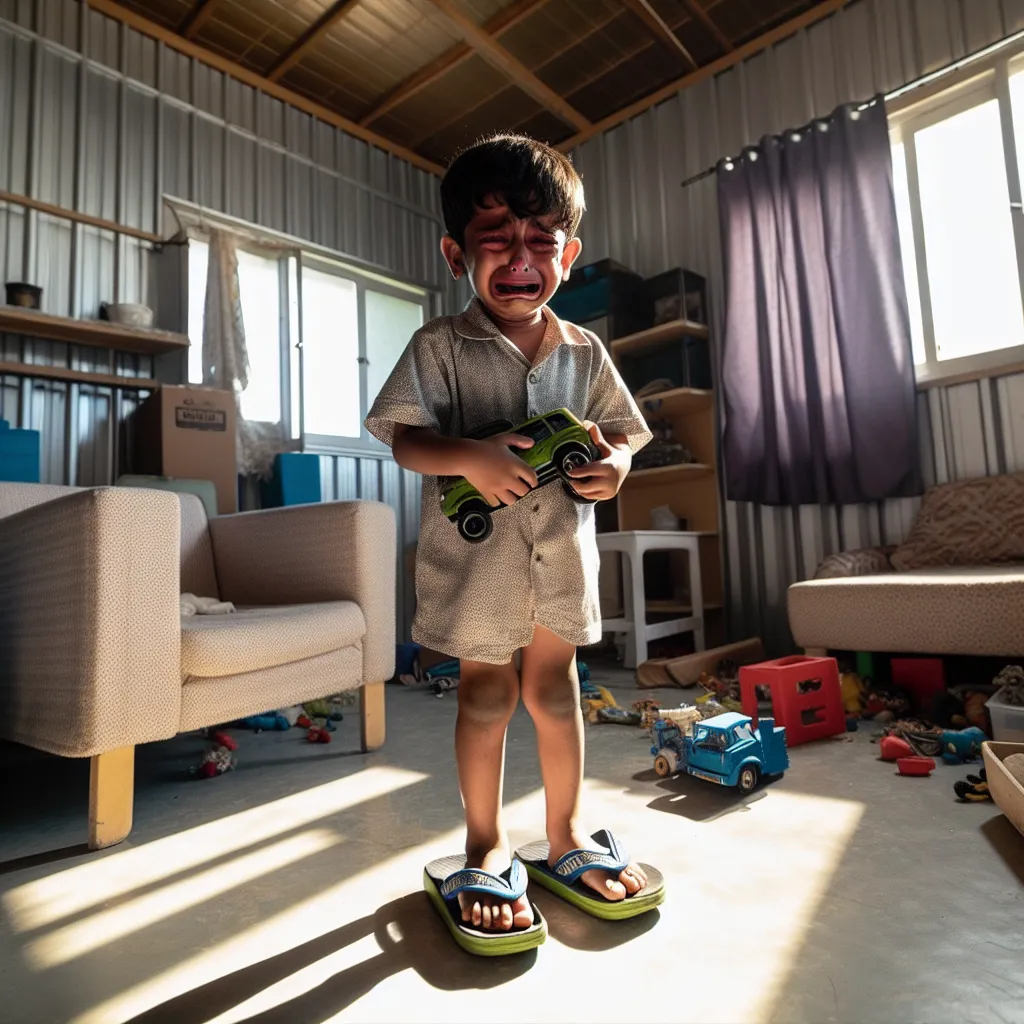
(894, 748)
(318, 735)
(915, 765)
(806, 697)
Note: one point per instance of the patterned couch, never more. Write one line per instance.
(955, 586)
(96, 658)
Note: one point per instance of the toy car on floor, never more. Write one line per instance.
(728, 750)
(560, 444)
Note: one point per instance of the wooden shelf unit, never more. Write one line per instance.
(94, 333)
(691, 490)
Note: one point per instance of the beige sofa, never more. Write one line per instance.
(934, 594)
(95, 657)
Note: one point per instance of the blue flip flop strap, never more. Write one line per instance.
(614, 859)
(478, 880)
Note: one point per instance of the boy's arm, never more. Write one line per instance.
(497, 473)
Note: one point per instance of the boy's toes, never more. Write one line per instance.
(633, 878)
(505, 920)
(609, 888)
(522, 913)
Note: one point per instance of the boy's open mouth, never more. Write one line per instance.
(526, 290)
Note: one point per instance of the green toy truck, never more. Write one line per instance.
(560, 444)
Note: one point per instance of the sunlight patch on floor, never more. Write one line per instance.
(100, 929)
(126, 870)
(743, 891)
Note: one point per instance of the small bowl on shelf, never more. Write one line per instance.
(127, 314)
(915, 765)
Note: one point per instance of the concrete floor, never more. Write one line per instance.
(289, 891)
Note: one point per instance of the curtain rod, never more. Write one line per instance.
(930, 77)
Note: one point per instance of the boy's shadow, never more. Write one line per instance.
(409, 934)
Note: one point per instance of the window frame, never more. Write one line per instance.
(977, 83)
(294, 254)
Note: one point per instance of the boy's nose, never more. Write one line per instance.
(519, 263)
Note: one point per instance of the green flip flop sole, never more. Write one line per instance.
(535, 857)
(474, 940)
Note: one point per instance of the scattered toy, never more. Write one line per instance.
(915, 765)
(892, 748)
(318, 734)
(963, 746)
(973, 789)
(1011, 681)
(618, 716)
(269, 722)
(218, 758)
(648, 711)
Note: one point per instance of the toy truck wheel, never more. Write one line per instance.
(578, 498)
(475, 524)
(749, 777)
(569, 457)
(662, 766)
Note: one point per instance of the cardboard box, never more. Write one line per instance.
(189, 433)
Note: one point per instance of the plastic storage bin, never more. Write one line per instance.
(606, 289)
(1007, 719)
(296, 481)
(19, 455)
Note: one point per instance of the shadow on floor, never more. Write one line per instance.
(409, 935)
(1006, 841)
(699, 801)
(574, 928)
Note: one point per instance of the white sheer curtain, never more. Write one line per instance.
(226, 361)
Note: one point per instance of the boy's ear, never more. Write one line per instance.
(452, 253)
(570, 254)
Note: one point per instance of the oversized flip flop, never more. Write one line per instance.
(445, 878)
(564, 878)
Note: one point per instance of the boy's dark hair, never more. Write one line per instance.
(533, 179)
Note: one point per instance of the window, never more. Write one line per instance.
(558, 422)
(322, 338)
(956, 157)
(537, 431)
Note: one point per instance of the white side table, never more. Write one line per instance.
(633, 545)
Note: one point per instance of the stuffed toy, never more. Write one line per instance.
(962, 747)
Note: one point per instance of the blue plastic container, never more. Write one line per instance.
(296, 481)
(19, 455)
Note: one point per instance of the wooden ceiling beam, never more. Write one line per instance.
(716, 67)
(294, 53)
(497, 56)
(660, 29)
(449, 60)
(698, 13)
(114, 10)
(198, 17)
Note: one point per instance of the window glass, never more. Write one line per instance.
(558, 422)
(390, 325)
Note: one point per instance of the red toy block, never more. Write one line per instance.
(806, 698)
(922, 678)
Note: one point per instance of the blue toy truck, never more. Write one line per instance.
(727, 749)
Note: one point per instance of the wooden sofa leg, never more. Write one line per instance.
(111, 797)
(371, 716)
(816, 652)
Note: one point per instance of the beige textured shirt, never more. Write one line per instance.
(540, 564)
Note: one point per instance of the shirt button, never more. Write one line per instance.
(536, 508)
(534, 377)
(539, 559)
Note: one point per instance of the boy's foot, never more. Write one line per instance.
(489, 913)
(631, 879)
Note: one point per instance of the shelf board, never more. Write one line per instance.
(677, 402)
(664, 474)
(96, 333)
(674, 330)
(37, 371)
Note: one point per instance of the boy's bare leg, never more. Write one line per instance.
(488, 694)
(551, 692)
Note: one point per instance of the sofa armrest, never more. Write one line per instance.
(90, 631)
(335, 551)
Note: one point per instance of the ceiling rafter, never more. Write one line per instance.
(294, 53)
(509, 65)
(198, 17)
(754, 46)
(449, 60)
(700, 14)
(660, 29)
(114, 10)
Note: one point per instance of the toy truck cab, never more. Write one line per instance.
(731, 751)
(560, 444)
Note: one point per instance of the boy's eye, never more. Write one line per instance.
(542, 243)
(493, 240)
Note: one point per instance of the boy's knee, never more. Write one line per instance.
(489, 699)
(557, 700)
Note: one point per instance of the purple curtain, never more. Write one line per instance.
(817, 370)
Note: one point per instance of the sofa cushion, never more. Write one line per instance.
(972, 522)
(258, 638)
(977, 611)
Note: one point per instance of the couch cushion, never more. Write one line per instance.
(976, 611)
(198, 575)
(971, 522)
(258, 638)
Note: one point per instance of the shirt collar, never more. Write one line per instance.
(474, 323)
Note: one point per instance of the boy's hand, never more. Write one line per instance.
(499, 475)
(600, 481)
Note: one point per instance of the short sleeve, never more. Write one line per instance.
(610, 404)
(418, 392)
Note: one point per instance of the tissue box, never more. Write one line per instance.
(19, 455)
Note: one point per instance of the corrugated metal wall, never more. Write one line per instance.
(638, 214)
(98, 118)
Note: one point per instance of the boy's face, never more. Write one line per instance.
(514, 265)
